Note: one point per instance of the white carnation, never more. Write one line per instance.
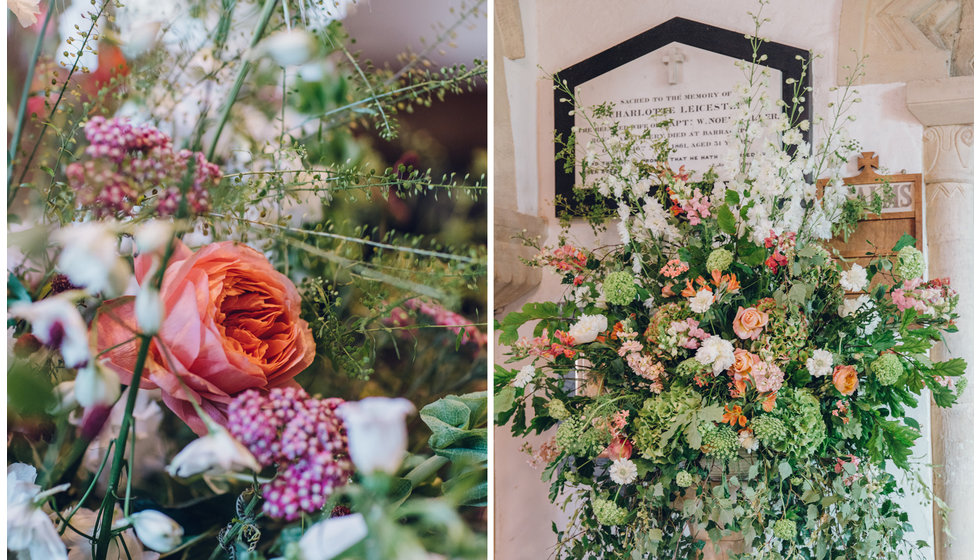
(524, 376)
(588, 328)
(701, 301)
(716, 352)
(855, 279)
(821, 363)
(622, 471)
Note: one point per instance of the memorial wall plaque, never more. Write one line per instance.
(682, 70)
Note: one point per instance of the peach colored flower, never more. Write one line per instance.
(231, 323)
(749, 322)
(741, 370)
(845, 379)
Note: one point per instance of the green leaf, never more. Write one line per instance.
(905, 241)
(950, 368)
(752, 255)
(785, 470)
(458, 425)
(726, 220)
(731, 198)
(18, 293)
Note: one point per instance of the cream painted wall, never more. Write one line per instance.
(559, 33)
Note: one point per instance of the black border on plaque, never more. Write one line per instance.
(691, 33)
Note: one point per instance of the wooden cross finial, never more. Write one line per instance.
(867, 161)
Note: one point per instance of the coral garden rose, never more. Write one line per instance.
(845, 379)
(749, 322)
(741, 370)
(231, 323)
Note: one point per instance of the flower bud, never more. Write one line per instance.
(217, 453)
(290, 48)
(156, 530)
(96, 384)
(90, 258)
(376, 433)
(329, 538)
(56, 322)
(149, 310)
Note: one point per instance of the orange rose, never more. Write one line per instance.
(231, 323)
(749, 322)
(845, 379)
(744, 362)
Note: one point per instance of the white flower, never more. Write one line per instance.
(290, 47)
(855, 279)
(156, 530)
(30, 531)
(622, 471)
(215, 454)
(821, 364)
(376, 433)
(90, 258)
(319, 13)
(748, 440)
(25, 10)
(852, 305)
(79, 547)
(96, 384)
(330, 537)
(701, 301)
(149, 309)
(716, 352)
(153, 235)
(588, 328)
(56, 322)
(524, 376)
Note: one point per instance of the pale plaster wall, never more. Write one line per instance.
(559, 33)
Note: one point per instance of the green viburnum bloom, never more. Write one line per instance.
(577, 436)
(619, 288)
(684, 479)
(805, 425)
(657, 416)
(887, 368)
(569, 435)
(719, 259)
(784, 529)
(770, 430)
(608, 513)
(720, 442)
(691, 366)
(557, 410)
(911, 263)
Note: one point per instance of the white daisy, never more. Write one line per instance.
(622, 471)
(821, 363)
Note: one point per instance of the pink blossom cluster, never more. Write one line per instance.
(674, 268)
(303, 436)
(839, 468)
(689, 332)
(646, 367)
(767, 377)
(565, 259)
(542, 346)
(781, 245)
(934, 298)
(696, 207)
(131, 164)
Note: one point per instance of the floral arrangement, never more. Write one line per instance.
(721, 377)
(236, 327)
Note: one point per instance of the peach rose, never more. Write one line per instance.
(749, 322)
(231, 323)
(845, 379)
(741, 370)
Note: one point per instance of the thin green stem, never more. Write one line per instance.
(108, 503)
(240, 80)
(22, 109)
(91, 487)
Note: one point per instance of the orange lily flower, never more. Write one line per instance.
(689, 291)
(769, 403)
(734, 416)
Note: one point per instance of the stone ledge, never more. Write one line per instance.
(512, 278)
(941, 101)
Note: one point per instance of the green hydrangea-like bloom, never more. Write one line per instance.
(719, 259)
(787, 335)
(608, 513)
(804, 422)
(684, 479)
(658, 414)
(911, 263)
(577, 436)
(619, 288)
(771, 431)
(887, 368)
(569, 435)
(557, 410)
(784, 529)
(720, 442)
(691, 366)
